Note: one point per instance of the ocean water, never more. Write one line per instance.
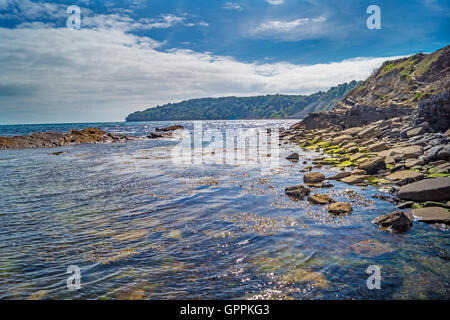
(142, 226)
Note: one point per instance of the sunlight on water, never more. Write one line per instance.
(141, 227)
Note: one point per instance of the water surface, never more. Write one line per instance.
(141, 227)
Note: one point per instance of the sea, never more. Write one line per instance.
(136, 220)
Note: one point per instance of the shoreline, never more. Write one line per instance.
(410, 162)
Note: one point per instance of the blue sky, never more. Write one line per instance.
(133, 54)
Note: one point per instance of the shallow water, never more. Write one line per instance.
(142, 227)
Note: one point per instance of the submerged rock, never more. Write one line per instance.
(297, 192)
(340, 208)
(397, 221)
(437, 189)
(369, 248)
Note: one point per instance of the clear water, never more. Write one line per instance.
(141, 227)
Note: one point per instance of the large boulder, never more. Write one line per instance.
(397, 221)
(313, 177)
(405, 177)
(373, 166)
(432, 215)
(437, 189)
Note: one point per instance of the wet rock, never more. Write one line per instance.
(374, 165)
(170, 128)
(340, 208)
(323, 184)
(405, 205)
(432, 215)
(405, 177)
(397, 221)
(437, 189)
(56, 139)
(297, 192)
(355, 179)
(154, 135)
(313, 177)
(293, 157)
(321, 199)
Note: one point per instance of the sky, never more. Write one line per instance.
(131, 55)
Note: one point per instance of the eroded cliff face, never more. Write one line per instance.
(395, 89)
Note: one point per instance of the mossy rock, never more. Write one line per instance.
(347, 164)
(438, 175)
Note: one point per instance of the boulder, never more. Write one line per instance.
(415, 132)
(321, 199)
(313, 177)
(358, 172)
(297, 192)
(293, 157)
(405, 177)
(444, 154)
(355, 179)
(380, 146)
(340, 139)
(340, 175)
(372, 166)
(170, 128)
(340, 208)
(397, 221)
(408, 152)
(437, 189)
(432, 215)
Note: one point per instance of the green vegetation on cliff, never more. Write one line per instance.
(259, 107)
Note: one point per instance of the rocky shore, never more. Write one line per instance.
(74, 137)
(404, 156)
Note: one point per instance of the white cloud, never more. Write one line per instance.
(292, 30)
(104, 74)
(287, 26)
(275, 2)
(232, 6)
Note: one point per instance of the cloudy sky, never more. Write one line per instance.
(133, 54)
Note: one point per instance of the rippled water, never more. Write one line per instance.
(141, 227)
